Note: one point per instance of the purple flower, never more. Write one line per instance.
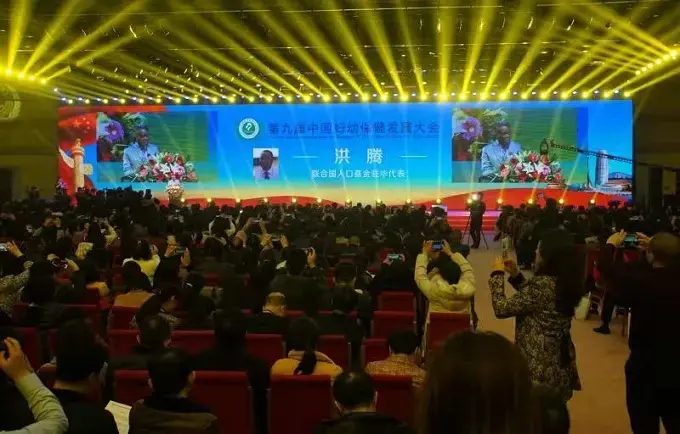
(469, 129)
(114, 130)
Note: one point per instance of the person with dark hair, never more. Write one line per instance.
(229, 354)
(13, 277)
(92, 278)
(339, 322)
(477, 382)
(498, 152)
(355, 399)
(211, 262)
(164, 304)
(79, 360)
(345, 277)
(403, 359)
(169, 409)
(153, 338)
(553, 410)
(650, 288)
(137, 288)
(544, 307)
(302, 275)
(20, 382)
(303, 359)
(197, 308)
(146, 255)
(272, 319)
(450, 284)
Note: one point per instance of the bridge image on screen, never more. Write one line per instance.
(357, 151)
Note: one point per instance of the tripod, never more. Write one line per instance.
(467, 225)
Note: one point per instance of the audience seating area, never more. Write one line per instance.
(228, 394)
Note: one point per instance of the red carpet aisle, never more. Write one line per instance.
(601, 406)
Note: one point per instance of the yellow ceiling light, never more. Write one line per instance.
(288, 98)
(503, 96)
(404, 97)
(564, 95)
(525, 95)
(306, 98)
(365, 97)
(384, 97)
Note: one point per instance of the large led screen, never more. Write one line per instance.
(362, 151)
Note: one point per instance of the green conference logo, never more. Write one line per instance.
(249, 128)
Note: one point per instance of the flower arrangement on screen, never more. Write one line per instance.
(528, 166)
(166, 167)
(115, 131)
(473, 128)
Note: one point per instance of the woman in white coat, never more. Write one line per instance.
(450, 285)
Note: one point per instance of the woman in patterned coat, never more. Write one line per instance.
(544, 306)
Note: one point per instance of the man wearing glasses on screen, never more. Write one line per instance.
(266, 169)
(138, 153)
(498, 152)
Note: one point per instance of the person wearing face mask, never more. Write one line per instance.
(650, 288)
(544, 307)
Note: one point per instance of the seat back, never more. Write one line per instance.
(374, 349)
(131, 386)
(91, 297)
(92, 312)
(266, 347)
(121, 342)
(287, 392)
(228, 396)
(19, 311)
(395, 396)
(193, 341)
(120, 317)
(337, 348)
(384, 323)
(31, 345)
(443, 324)
(401, 301)
(293, 314)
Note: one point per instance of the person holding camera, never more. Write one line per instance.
(450, 285)
(650, 289)
(47, 411)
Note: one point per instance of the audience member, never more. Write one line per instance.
(303, 359)
(544, 307)
(198, 309)
(15, 273)
(211, 262)
(154, 337)
(340, 322)
(79, 362)
(553, 410)
(403, 358)
(48, 413)
(146, 256)
(169, 408)
(650, 289)
(303, 284)
(230, 354)
(137, 288)
(450, 285)
(477, 382)
(345, 276)
(355, 399)
(272, 319)
(164, 304)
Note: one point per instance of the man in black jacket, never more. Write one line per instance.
(229, 354)
(272, 319)
(355, 399)
(650, 288)
(339, 322)
(304, 284)
(79, 361)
